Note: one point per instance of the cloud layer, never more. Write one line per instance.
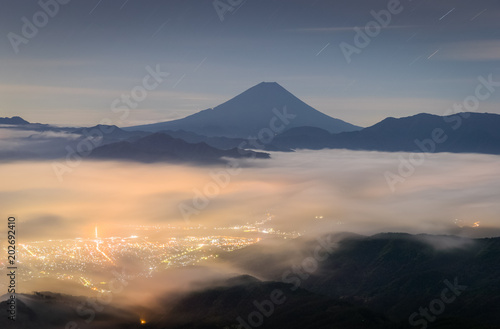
(346, 188)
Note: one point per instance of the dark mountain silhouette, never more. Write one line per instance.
(216, 307)
(459, 133)
(251, 111)
(221, 306)
(13, 121)
(107, 134)
(51, 310)
(49, 142)
(162, 147)
(304, 138)
(223, 143)
(392, 274)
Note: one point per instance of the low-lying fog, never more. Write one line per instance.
(349, 189)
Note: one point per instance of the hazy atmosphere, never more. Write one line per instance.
(347, 188)
(234, 164)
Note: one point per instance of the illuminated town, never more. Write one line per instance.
(88, 261)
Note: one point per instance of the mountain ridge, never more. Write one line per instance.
(15, 120)
(465, 132)
(159, 147)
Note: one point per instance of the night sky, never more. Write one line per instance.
(427, 57)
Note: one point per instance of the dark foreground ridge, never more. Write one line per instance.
(335, 281)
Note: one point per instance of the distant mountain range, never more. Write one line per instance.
(223, 143)
(161, 147)
(459, 133)
(266, 117)
(264, 106)
(372, 282)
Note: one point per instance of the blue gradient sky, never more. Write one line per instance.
(93, 51)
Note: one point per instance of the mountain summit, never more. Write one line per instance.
(266, 105)
(13, 121)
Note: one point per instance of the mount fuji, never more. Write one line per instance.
(266, 105)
